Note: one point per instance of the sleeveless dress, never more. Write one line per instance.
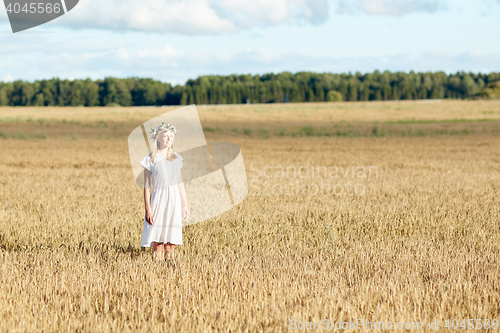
(165, 202)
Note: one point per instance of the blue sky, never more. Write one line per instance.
(174, 40)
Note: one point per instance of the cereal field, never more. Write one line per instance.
(417, 239)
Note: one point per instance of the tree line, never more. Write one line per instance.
(234, 89)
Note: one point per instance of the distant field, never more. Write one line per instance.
(350, 119)
(420, 243)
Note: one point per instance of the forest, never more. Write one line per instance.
(284, 87)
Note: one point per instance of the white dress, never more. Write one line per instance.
(165, 202)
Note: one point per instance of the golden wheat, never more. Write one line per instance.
(420, 244)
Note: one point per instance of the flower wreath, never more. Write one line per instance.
(160, 128)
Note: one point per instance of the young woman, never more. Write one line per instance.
(166, 204)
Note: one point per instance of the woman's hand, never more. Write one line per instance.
(149, 217)
(185, 213)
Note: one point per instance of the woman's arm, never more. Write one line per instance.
(182, 191)
(147, 192)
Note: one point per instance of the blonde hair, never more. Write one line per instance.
(170, 150)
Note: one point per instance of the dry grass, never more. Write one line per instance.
(348, 119)
(421, 244)
(348, 111)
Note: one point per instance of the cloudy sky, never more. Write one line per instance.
(174, 40)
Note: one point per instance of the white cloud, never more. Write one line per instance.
(192, 17)
(263, 55)
(389, 7)
(82, 58)
(166, 58)
(8, 78)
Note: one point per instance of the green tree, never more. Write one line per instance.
(334, 96)
(39, 100)
(4, 99)
(27, 94)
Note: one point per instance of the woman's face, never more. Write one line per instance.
(165, 138)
